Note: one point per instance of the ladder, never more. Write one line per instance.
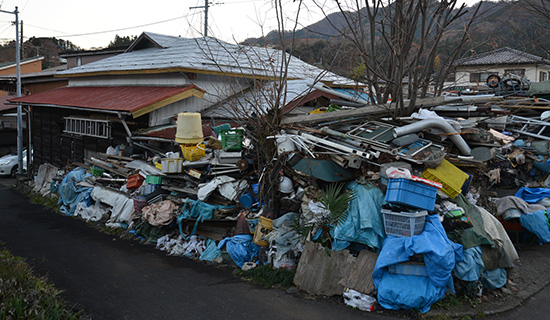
(529, 127)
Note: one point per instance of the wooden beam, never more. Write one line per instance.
(375, 110)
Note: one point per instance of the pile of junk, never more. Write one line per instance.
(394, 211)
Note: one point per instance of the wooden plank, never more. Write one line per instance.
(360, 277)
(109, 169)
(115, 157)
(376, 110)
(320, 274)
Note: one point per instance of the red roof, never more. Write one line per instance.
(127, 98)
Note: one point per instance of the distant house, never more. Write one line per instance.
(8, 73)
(79, 58)
(157, 77)
(474, 70)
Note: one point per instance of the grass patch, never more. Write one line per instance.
(48, 202)
(268, 276)
(447, 302)
(24, 296)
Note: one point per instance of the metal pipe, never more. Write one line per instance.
(435, 123)
(351, 151)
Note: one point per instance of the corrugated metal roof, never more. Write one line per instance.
(502, 56)
(130, 99)
(207, 55)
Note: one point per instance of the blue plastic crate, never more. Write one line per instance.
(411, 193)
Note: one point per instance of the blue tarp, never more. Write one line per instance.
(240, 248)
(364, 223)
(70, 194)
(537, 223)
(494, 279)
(532, 195)
(211, 252)
(416, 292)
(471, 266)
(196, 209)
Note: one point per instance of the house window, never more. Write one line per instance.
(543, 76)
(451, 77)
(517, 72)
(88, 127)
(78, 61)
(478, 77)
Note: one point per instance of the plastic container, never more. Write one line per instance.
(247, 200)
(172, 165)
(263, 228)
(404, 224)
(466, 185)
(193, 152)
(189, 128)
(451, 177)
(135, 181)
(411, 193)
(153, 179)
(98, 172)
(409, 268)
(147, 189)
(385, 166)
(232, 140)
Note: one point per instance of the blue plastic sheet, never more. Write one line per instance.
(533, 195)
(364, 223)
(211, 252)
(71, 194)
(471, 266)
(440, 256)
(537, 223)
(494, 279)
(196, 209)
(397, 291)
(240, 248)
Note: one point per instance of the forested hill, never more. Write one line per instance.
(501, 24)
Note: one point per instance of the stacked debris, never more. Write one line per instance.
(407, 207)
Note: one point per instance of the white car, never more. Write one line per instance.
(8, 164)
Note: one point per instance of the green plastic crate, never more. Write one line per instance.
(232, 140)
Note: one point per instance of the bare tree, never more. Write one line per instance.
(255, 92)
(398, 40)
(538, 7)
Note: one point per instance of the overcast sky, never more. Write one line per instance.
(90, 24)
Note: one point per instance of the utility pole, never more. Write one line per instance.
(18, 75)
(205, 7)
(22, 42)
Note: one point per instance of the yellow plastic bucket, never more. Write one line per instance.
(263, 228)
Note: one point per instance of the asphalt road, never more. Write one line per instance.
(122, 279)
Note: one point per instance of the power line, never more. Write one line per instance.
(113, 30)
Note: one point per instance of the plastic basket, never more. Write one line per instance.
(232, 140)
(404, 224)
(153, 179)
(451, 177)
(193, 152)
(411, 193)
(133, 182)
(171, 165)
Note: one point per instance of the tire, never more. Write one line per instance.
(14, 170)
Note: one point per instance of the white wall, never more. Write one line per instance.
(217, 88)
(462, 77)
